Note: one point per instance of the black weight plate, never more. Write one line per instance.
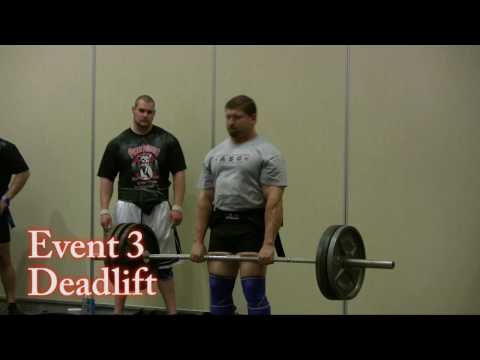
(149, 243)
(345, 243)
(321, 263)
(124, 246)
(116, 232)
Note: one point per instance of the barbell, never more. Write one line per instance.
(340, 261)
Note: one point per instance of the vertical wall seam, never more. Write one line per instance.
(92, 156)
(347, 139)
(214, 96)
(346, 159)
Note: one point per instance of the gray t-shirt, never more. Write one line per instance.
(237, 172)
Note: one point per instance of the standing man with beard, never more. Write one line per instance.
(144, 156)
(242, 185)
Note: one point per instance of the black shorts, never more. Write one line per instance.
(4, 232)
(234, 237)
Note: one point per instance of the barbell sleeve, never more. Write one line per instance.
(370, 264)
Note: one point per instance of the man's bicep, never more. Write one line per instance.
(16, 164)
(206, 180)
(179, 175)
(274, 172)
(108, 168)
(176, 158)
(24, 173)
(107, 175)
(106, 180)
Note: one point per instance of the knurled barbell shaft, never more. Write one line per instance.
(228, 258)
(361, 263)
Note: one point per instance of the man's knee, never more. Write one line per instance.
(221, 301)
(254, 290)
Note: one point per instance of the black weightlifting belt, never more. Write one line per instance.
(145, 199)
(252, 216)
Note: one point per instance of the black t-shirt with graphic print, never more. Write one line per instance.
(142, 161)
(11, 163)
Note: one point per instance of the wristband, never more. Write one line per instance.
(177, 208)
(104, 212)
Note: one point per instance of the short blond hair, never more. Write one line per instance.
(146, 98)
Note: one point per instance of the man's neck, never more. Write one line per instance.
(241, 140)
(140, 131)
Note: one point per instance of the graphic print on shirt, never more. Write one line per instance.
(232, 158)
(238, 162)
(144, 164)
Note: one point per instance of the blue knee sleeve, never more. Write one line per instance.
(165, 274)
(254, 291)
(221, 301)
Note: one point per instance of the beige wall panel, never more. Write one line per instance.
(300, 94)
(415, 177)
(46, 111)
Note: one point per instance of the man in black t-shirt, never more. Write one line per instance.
(11, 163)
(144, 156)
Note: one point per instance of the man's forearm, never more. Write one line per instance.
(179, 188)
(106, 191)
(19, 181)
(273, 221)
(204, 209)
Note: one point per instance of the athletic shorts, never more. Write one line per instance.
(158, 220)
(4, 232)
(234, 237)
